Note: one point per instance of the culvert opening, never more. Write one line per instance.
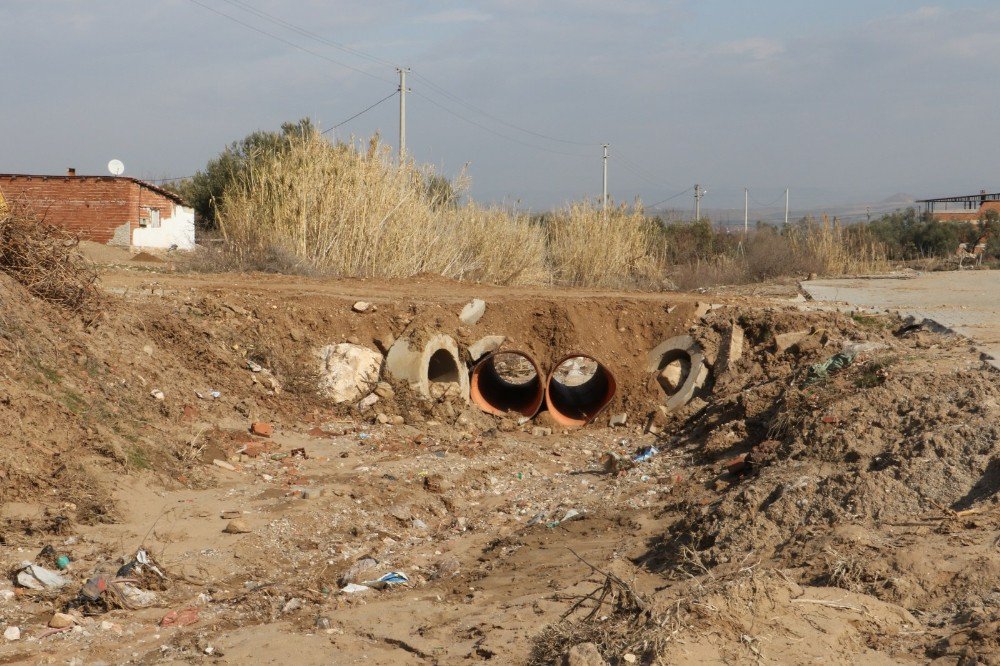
(442, 374)
(507, 381)
(579, 387)
(673, 370)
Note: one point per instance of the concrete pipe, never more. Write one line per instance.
(507, 381)
(679, 368)
(578, 388)
(432, 367)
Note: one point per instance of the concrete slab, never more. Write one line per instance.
(964, 302)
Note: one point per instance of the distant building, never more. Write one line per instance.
(114, 210)
(966, 208)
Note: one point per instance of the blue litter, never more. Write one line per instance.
(644, 454)
(388, 580)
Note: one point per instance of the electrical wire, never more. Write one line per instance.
(289, 43)
(491, 130)
(362, 112)
(472, 107)
(765, 205)
(277, 20)
(670, 198)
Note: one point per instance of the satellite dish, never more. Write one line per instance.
(116, 167)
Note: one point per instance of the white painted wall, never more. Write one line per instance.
(176, 230)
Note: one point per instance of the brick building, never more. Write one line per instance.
(963, 208)
(114, 210)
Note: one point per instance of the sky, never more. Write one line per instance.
(841, 102)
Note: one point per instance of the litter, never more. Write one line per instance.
(390, 579)
(180, 618)
(838, 361)
(254, 367)
(645, 453)
(614, 463)
(137, 564)
(35, 577)
(354, 588)
(157, 393)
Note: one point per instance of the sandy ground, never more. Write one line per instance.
(780, 521)
(967, 302)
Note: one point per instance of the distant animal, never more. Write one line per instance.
(977, 252)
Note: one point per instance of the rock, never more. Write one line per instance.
(158, 394)
(262, 428)
(400, 513)
(384, 390)
(384, 342)
(348, 371)
(7, 595)
(312, 493)
(368, 402)
(291, 605)
(418, 524)
(224, 465)
(12, 633)
(396, 420)
(354, 572)
(584, 654)
(323, 623)
(446, 566)
(296, 335)
(237, 526)
(539, 431)
(731, 350)
(630, 658)
(484, 346)
(473, 311)
(618, 419)
(435, 483)
(361, 306)
(381, 418)
(61, 620)
(783, 341)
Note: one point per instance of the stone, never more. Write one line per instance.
(348, 371)
(237, 526)
(291, 605)
(12, 633)
(630, 658)
(224, 465)
(731, 350)
(312, 493)
(61, 620)
(484, 346)
(400, 513)
(539, 431)
(384, 342)
(361, 306)
(368, 402)
(618, 419)
(584, 654)
(158, 394)
(384, 390)
(783, 341)
(446, 566)
(473, 311)
(396, 420)
(262, 428)
(354, 572)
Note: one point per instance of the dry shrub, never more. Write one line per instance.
(336, 210)
(590, 248)
(830, 249)
(45, 259)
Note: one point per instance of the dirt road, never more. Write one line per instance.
(966, 302)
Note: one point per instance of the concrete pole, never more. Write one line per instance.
(604, 195)
(402, 111)
(697, 202)
(786, 206)
(746, 210)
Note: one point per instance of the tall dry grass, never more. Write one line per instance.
(590, 248)
(341, 211)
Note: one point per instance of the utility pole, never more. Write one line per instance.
(746, 211)
(698, 194)
(402, 111)
(786, 206)
(604, 196)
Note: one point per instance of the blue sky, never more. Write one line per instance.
(841, 102)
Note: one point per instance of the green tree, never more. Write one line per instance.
(206, 187)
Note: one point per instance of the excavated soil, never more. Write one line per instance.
(783, 518)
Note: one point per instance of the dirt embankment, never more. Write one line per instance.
(861, 521)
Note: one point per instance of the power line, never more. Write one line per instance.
(261, 31)
(771, 203)
(277, 20)
(366, 110)
(472, 107)
(492, 131)
(670, 198)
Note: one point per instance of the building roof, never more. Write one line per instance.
(965, 198)
(173, 196)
